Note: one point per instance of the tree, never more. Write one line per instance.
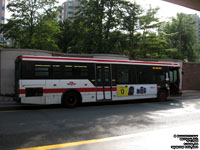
(130, 24)
(66, 36)
(25, 16)
(144, 40)
(100, 18)
(148, 23)
(130, 18)
(181, 35)
(13, 31)
(46, 34)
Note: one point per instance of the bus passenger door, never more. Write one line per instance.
(103, 82)
(174, 81)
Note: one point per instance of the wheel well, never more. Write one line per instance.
(71, 91)
(164, 89)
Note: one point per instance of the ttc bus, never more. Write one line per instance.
(71, 80)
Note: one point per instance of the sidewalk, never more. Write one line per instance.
(5, 100)
(191, 93)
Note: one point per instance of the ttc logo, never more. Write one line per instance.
(71, 83)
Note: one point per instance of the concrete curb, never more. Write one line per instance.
(191, 93)
(7, 100)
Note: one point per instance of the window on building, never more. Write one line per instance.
(70, 3)
(70, 14)
(70, 9)
(78, 2)
(2, 38)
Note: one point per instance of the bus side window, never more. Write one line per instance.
(56, 71)
(132, 75)
(68, 71)
(144, 76)
(80, 71)
(91, 73)
(158, 76)
(114, 69)
(171, 76)
(42, 70)
(122, 75)
(175, 76)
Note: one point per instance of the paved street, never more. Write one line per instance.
(138, 125)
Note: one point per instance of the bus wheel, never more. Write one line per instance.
(71, 100)
(162, 95)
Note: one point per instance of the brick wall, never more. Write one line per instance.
(191, 76)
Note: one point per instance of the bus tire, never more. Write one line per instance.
(162, 95)
(71, 99)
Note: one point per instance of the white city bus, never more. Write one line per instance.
(71, 80)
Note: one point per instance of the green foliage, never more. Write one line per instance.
(149, 21)
(46, 35)
(181, 36)
(12, 30)
(152, 46)
(26, 16)
(101, 26)
(66, 36)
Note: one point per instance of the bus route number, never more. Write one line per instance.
(122, 91)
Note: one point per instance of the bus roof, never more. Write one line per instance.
(96, 60)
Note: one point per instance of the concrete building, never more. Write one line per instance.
(69, 9)
(2, 11)
(2, 15)
(191, 76)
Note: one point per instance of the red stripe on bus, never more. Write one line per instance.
(61, 90)
(98, 60)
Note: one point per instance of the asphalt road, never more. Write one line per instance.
(142, 124)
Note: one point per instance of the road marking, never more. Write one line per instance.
(151, 137)
(65, 145)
